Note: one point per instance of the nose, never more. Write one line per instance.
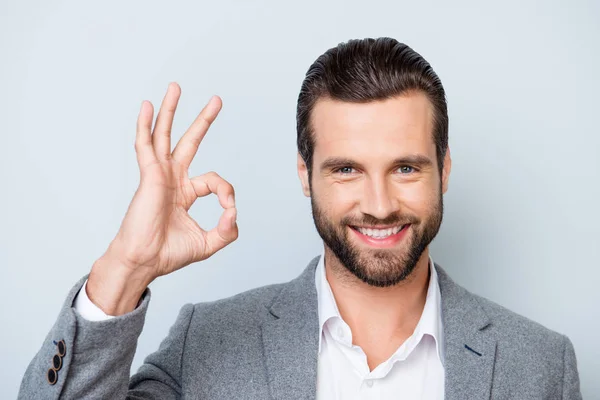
(378, 200)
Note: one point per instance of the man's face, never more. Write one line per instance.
(376, 191)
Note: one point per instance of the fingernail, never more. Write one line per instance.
(231, 201)
(234, 218)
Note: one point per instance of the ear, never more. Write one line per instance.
(446, 170)
(303, 175)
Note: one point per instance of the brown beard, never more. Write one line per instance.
(380, 268)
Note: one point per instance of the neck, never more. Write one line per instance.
(375, 314)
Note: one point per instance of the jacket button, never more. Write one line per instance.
(62, 348)
(57, 362)
(52, 376)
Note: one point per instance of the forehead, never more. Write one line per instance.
(395, 126)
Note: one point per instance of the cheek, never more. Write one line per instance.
(336, 200)
(419, 198)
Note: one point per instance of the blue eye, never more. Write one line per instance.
(345, 170)
(406, 169)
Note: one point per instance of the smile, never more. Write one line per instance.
(380, 233)
(380, 237)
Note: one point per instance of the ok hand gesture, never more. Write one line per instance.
(157, 235)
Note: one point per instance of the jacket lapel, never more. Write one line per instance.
(290, 334)
(469, 349)
(291, 338)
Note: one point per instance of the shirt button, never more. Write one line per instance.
(369, 382)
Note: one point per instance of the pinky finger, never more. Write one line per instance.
(224, 233)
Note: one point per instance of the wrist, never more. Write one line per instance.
(115, 288)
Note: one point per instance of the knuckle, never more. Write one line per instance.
(206, 119)
(225, 187)
(195, 142)
(140, 144)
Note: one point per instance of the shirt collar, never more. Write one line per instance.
(430, 322)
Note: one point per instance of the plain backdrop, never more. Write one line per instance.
(521, 224)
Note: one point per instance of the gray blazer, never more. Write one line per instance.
(262, 344)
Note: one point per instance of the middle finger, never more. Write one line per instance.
(161, 137)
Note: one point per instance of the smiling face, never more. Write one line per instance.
(376, 190)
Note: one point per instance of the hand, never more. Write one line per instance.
(157, 235)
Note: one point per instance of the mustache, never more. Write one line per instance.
(392, 219)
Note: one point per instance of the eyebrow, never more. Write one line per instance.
(417, 160)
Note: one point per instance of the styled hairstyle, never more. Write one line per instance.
(364, 70)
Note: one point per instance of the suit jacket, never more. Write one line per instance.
(263, 344)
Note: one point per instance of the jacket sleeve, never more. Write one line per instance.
(97, 355)
(571, 389)
(159, 377)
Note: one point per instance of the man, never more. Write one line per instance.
(373, 317)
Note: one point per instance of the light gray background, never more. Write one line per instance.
(521, 224)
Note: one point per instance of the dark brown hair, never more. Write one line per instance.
(365, 70)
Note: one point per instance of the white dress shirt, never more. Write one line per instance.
(414, 371)
(88, 310)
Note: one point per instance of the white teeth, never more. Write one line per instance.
(380, 233)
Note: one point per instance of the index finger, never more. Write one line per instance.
(186, 148)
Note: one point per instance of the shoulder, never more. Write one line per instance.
(506, 319)
(501, 320)
(252, 307)
(245, 308)
(510, 325)
(517, 337)
(530, 353)
(232, 325)
(242, 305)
(531, 360)
(523, 343)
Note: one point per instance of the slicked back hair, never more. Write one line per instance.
(364, 70)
